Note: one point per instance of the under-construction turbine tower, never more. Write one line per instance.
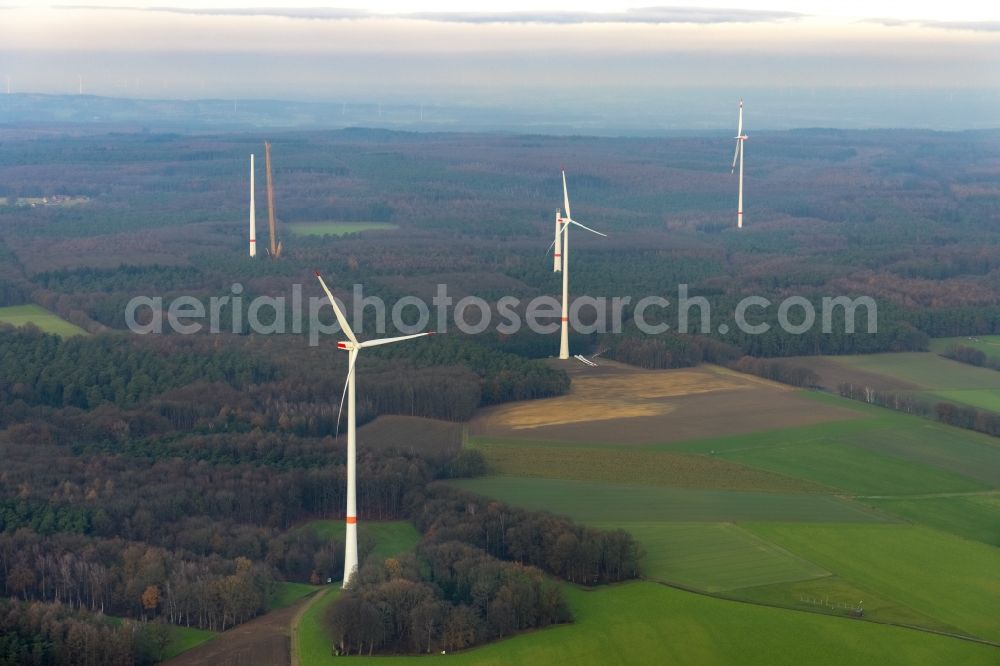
(271, 223)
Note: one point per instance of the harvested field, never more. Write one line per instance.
(411, 433)
(832, 373)
(618, 404)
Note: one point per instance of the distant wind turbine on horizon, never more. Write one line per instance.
(738, 155)
(353, 347)
(253, 214)
(561, 262)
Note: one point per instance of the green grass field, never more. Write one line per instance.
(837, 463)
(647, 623)
(714, 556)
(894, 462)
(615, 464)
(884, 453)
(975, 517)
(595, 502)
(183, 639)
(337, 228)
(891, 512)
(988, 344)
(982, 398)
(937, 574)
(924, 369)
(832, 595)
(19, 315)
(286, 594)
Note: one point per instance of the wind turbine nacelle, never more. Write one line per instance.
(345, 345)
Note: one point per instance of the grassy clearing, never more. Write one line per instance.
(19, 315)
(337, 228)
(647, 623)
(988, 344)
(592, 502)
(388, 537)
(183, 639)
(286, 594)
(975, 517)
(936, 574)
(714, 556)
(618, 465)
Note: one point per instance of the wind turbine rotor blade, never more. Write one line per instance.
(552, 244)
(557, 244)
(736, 154)
(558, 236)
(344, 326)
(739, 123)
(388, 341)
(566, 195)
(347, 382)
(587, 228)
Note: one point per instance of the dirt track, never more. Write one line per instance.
(260, 642)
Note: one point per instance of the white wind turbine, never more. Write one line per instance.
(740, 138)
(561, 262)
(353, 347)
(253, 215)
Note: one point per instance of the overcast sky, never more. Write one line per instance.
(499, 52)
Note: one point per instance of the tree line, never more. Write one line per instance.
(971, 356)
(960, 416)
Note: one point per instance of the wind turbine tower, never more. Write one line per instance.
(272, 225)
(738, 155)
(561, 260)
(253, 214)
(353, 348)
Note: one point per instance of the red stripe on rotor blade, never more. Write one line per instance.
(352, 520)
